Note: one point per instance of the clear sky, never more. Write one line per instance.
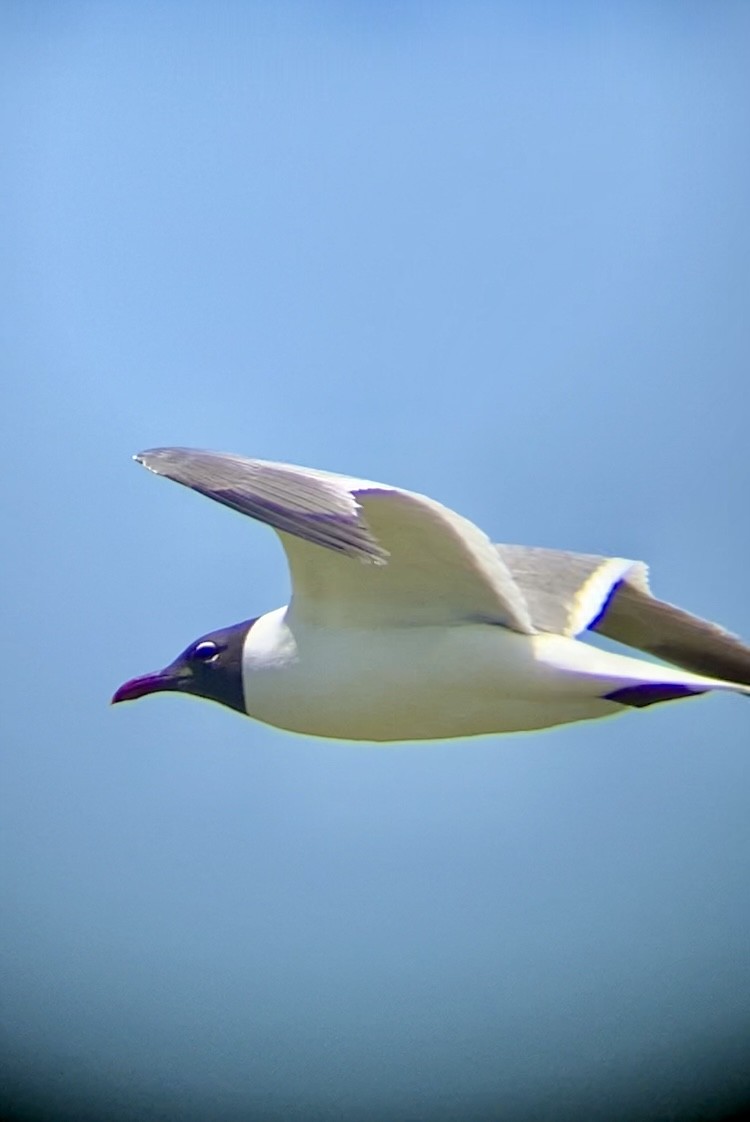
(498, 253)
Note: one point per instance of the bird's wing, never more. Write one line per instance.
(567, 593)
(428, 564)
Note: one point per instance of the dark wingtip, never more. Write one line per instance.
(149, 454)
(650, 693)
(158, 453)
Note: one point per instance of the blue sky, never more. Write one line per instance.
(496, 253)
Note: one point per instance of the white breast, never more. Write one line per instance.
(410, 683)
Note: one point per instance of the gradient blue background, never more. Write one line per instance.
(498, 253)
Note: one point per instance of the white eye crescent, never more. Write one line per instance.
(205, 651)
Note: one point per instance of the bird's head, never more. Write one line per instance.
(210, 667)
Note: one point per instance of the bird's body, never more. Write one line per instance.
(409, 683)
(407, 623)
(427, 682)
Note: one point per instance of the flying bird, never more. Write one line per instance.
(407, 623)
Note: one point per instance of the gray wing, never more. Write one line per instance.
(430, 565)
(290, 499)
(567, 593)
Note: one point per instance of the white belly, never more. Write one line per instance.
(416, 683)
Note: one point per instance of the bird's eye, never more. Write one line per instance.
(205, 652)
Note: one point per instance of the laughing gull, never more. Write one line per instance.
(407, 623)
